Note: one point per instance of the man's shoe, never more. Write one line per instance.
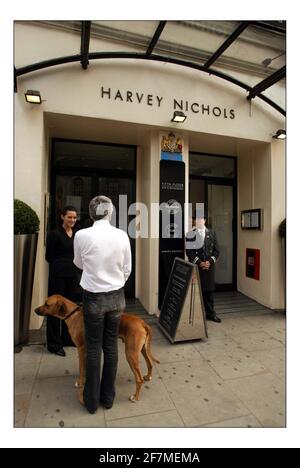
(59, 352)
(92, 411)
(214, 318)
(106, 405)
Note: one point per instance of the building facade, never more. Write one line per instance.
(103, 128)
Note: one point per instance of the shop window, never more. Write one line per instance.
(206, 165)
(78, 186)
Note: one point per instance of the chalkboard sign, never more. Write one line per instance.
(181, 317)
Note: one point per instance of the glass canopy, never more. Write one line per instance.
(250, 54)
(194, 40)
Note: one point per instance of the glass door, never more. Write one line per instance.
(213, 185)
(75, 190)
(220, 216)
(82, 170)
(121, 191)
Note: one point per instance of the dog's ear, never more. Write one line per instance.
(61, 308)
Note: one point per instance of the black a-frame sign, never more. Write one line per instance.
(182, 316)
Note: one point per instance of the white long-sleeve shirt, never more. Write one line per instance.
(103, 253)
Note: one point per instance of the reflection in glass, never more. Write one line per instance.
(211, 166)
(92, 155)
(220, 216)
(75, 191)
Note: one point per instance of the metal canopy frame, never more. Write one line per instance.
(85, 56)
(155, 38)
(85, 43)
(226, 44)
(266, 83)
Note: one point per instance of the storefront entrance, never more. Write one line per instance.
(213, 184)
(81, 170)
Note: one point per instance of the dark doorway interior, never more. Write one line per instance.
(212, 183)
(81, 170)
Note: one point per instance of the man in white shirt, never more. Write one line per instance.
(103, 253)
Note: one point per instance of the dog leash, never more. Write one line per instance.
(71, 313)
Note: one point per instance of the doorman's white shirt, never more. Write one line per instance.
(103, 253)
(203, 232)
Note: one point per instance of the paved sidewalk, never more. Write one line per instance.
(235, 378)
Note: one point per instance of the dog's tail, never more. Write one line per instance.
(148, 342)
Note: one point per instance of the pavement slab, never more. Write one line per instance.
(199, 395)
(257, 341)
(161, 419)
(264, 395)
(242, 422)
(54, 403)
(272, 359)
(153, 398)
(233, 364)
(26, 366)
(235, 378)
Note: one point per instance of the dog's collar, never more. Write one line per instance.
(71, 313)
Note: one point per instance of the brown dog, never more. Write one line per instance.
(133, 331)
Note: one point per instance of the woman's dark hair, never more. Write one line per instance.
(68, 208)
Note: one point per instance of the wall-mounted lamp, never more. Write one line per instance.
(280, 135)
(178, 117)
(33, 97)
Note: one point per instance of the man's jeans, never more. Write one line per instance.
(102, 313)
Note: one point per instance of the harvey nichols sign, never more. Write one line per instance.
(139, 97)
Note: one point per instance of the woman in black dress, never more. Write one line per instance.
(64, 277)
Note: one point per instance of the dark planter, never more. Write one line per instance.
(25, 247)
(283, 248)
(282, 234)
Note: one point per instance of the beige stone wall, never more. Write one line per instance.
(31, 184)
(261, 177)
(278, 213)
(147, 268)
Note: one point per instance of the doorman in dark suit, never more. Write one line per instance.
(202, 249)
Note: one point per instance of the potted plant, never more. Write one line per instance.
(26, 227)
(282, 229)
